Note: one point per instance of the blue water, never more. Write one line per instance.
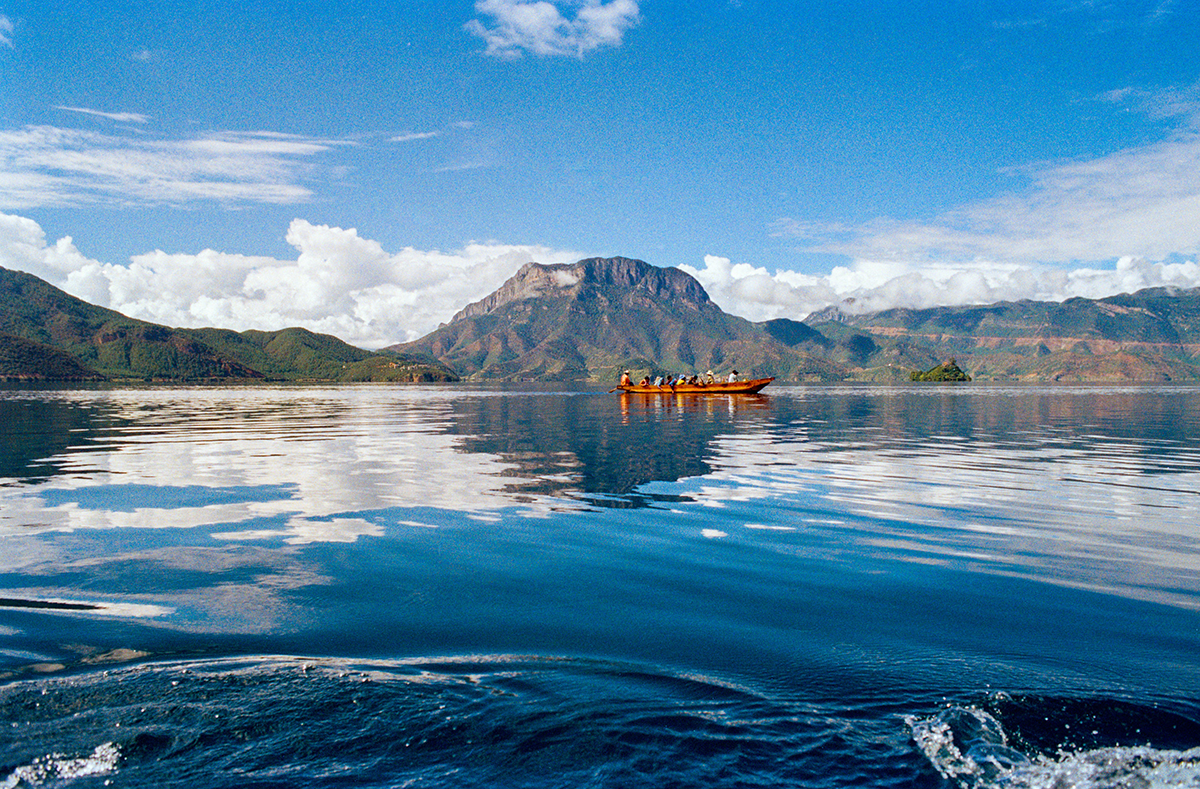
(455, 586)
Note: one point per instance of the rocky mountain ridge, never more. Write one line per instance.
(591, 319)
(1150, 335)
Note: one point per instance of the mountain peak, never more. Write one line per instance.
(591, 278)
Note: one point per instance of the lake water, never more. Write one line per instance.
(448, 586)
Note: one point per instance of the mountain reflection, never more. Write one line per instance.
(39, 428)
(599, 444)
(1081, 485)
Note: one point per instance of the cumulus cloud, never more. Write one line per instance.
(539, 27)
(6, 30)
(339, 283)
(44, 166)
(871, 285)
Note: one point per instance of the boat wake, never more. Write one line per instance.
(485, 721)
(59, 768)
(546, 721)
(970, 747)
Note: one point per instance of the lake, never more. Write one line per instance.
(553, 586)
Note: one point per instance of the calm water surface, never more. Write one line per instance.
(828, 586)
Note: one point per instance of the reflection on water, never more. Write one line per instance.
(1091, 487)
(592, 574)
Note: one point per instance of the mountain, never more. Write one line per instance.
(47, 334)
(591, 319)
(299, 354)
(1150, 335)
(26, 360)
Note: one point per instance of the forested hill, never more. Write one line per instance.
(47, 334)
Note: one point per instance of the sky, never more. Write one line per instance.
(366, 169)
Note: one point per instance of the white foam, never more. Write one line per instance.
(1111, 767)
(57, 767)
(968, 746)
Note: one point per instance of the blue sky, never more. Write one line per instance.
(368, 168)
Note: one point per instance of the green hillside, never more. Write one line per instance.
(299, 354)
(26, 360)
(71, 339)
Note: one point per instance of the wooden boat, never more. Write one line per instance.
(720, 387)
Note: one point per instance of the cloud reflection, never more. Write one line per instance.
(312, 459)
(1104, 513)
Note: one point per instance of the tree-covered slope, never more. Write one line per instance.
(75, 339)
(103, 340)
(26, 360)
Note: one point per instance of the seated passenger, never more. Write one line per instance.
(733, 376)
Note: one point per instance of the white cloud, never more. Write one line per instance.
(1139, 202)
(410, 136)
(871, 285)
(518, 26)
(123, 117)
(6, 29)
(339, 283)
(48, 166)
(1090, 228)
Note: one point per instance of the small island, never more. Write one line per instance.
(949, 371)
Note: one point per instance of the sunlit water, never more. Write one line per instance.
(436, 586)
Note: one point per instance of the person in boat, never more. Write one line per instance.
(625, 379)
(658, 381)
(733, 377)
(710, 378)
(645, 381)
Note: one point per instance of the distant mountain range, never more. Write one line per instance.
(46, 334)
(1150, 335)
(592, 319)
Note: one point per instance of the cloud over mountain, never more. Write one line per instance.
(339, 283)
(868, 286)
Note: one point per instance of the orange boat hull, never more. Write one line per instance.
(721, 387)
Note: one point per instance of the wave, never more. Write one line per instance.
(544, 721)
(507, 721)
